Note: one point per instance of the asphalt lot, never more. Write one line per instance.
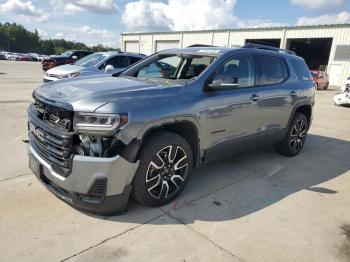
(256, 206)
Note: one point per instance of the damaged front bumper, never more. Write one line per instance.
(98, 185)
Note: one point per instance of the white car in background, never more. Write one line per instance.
(343, 99)
(94, 65)
(346, 86)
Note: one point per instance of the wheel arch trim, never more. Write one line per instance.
(135, 145)
(299, 105)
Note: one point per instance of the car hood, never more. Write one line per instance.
(65, 69)
(87, 94)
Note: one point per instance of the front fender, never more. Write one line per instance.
(133, 144)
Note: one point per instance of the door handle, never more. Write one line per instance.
(255, 98)
(293, 94)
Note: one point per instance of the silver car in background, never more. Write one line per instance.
(94, 65)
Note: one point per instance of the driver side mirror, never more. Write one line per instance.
(74, 57)
(109, 69)
(220, 85)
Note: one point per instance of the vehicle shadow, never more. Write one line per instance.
(242, 184)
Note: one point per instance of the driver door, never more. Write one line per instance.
(232, 110)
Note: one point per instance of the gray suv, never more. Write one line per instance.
(93, 142)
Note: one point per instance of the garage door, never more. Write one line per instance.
(131, 46)
(334, 75)
(162, 45)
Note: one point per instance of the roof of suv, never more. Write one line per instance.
(215, 50)
(200, 50)
(123, 53)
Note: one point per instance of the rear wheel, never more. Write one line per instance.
(165, 164)
(296, 136)
(326, 86)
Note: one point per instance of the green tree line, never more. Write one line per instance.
(15, 38)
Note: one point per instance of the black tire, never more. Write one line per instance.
(165, 165)
(296, 136)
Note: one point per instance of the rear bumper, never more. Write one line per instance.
(98, 185)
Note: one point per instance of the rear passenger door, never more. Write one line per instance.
(275, 94)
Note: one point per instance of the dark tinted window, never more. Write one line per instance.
(133, 60)
(300, 68)
(272, 70)
(79, 54)
(238, 71)
(118, 62)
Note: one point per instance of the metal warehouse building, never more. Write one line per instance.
(325, 47)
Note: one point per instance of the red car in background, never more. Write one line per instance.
(23, 57)
(321, 79)
(68, 57)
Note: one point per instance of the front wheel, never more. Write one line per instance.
(296, 136)
(165, 165)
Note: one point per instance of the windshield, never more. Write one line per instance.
(91, 60)
(67, 53)
(175, 67)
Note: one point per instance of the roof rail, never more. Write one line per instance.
(200, 45)
(271, 48)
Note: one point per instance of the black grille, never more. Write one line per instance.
(56, 116)
(53, 146)
(98, 189)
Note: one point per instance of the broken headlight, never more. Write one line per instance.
(98, 123)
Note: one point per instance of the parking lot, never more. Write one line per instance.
(256, 206)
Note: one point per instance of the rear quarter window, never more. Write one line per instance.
(133, 60)
(301, 70)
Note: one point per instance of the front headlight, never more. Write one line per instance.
(98, 123)
(62, 76)
(75, 74)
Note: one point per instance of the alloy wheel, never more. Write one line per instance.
(298, 135)
(167, 172)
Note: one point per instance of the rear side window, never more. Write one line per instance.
(79, 54)
(271, 70)
(133, 60)
(302, 71)
(118, 62)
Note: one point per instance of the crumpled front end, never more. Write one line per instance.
(84, 171)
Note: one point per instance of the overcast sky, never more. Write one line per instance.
(102, 21)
